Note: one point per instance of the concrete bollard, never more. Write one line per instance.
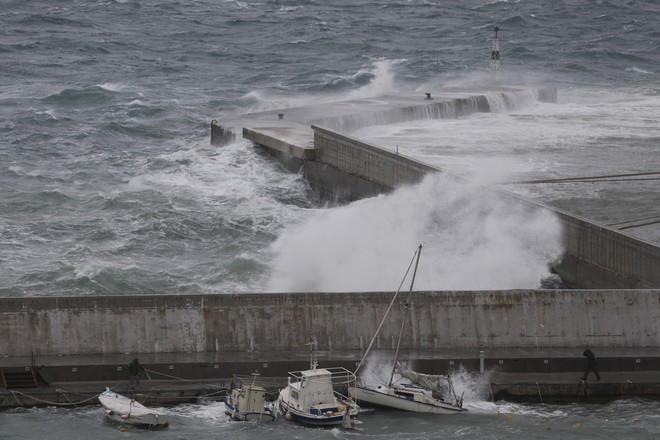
(481, 362)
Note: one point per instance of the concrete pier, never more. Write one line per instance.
(531, 339)
(526, 375)
(316, 141)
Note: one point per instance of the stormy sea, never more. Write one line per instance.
(109, 184)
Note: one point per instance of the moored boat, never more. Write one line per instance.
(248, 402)
(126, 410)
(423, 392)
(310, 397)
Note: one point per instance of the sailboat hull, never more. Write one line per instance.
(387, 398)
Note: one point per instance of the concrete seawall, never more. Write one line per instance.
(341, 168)
(595, 257)
(339, 321)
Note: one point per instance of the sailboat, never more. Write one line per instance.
(422, 393)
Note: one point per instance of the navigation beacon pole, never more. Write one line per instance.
(494, 67)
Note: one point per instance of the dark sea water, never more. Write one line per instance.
(108, 183)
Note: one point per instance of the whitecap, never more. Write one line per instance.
(50, 112)
(638, 70)
(112, 87)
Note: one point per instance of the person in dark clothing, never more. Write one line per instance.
(591, 364)
(134, 369)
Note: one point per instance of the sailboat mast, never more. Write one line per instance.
(405, 315)
(373, 339)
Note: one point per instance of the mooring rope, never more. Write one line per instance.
(220, 387)
(608, 178)
(15, 393)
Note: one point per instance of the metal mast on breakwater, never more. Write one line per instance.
(494, 67)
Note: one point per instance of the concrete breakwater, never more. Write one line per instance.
(531, 340)
(338, 321)
(342, 168)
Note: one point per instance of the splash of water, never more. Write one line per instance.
(382, 82)
(381, 74)
(474, 238)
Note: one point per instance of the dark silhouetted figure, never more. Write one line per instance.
(134, 369)
(591, 364)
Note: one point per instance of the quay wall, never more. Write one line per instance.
(595, 257)
(442, 107)
(252, 322)
(374, 164)
(599, 257)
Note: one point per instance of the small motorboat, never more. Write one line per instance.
(126, 410)
(310, 397)
(248, 402)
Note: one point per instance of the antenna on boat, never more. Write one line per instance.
(494, 67)
(406, 306)
(312, 346)
(254, 378)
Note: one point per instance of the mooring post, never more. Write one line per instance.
(481, 362)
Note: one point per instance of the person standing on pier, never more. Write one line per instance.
(591, 364)
(134, 369)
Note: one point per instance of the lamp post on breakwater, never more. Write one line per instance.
(494, 67)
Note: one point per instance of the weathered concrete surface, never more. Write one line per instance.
(339, 321)
(293, 141)
(350, 115)
(372, 163)
(566, 387)
(597, 256)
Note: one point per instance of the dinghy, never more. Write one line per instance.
(126, 410)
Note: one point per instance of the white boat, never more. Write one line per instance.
(310, 398)
(406, 396)
(422, 393)
(248, 402)
(126, 410)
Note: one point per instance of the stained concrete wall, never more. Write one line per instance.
(367, 161)
(597, 257)
(339, 321)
